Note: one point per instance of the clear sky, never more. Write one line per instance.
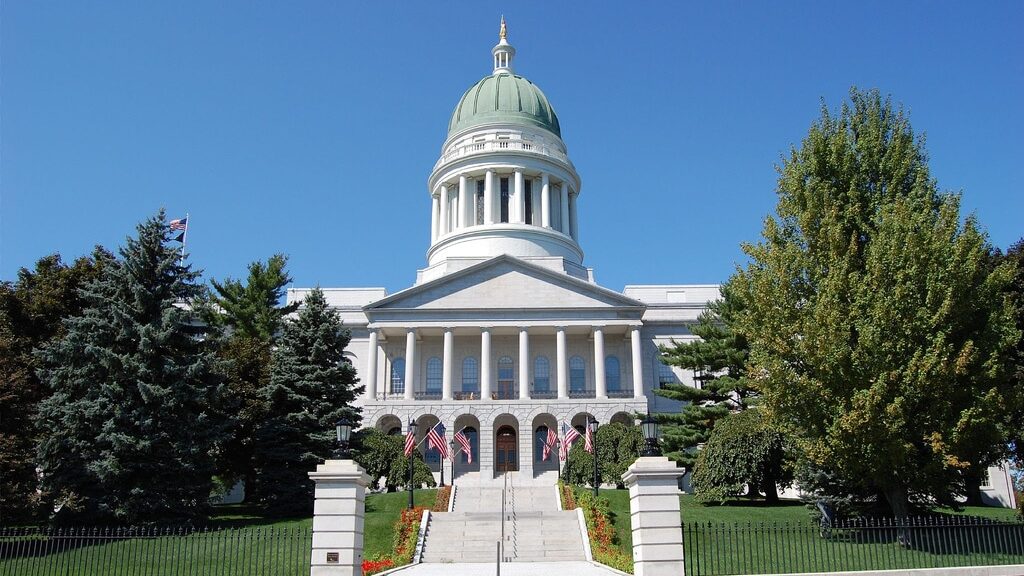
(310, 128)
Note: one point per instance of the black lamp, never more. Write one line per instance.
(593, 436)
(649, 426)
(343, 430)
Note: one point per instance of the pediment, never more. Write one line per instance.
(505, 282)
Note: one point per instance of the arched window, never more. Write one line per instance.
(398, 376)
(540, 438)
(470, 375)
(665, 374)
(474, 443)
(611, 374)
(541, 374)
(506, 377)
(577, 374)
(434, 375)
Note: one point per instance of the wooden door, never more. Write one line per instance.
(506, 458)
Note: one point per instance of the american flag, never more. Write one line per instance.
(588, 440)
(549, 443)
(179, 224)
(569, 435)
(410, 443)
(435, 440)
(466, 447)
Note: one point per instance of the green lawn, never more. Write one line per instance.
(750, 537)
(249, 544)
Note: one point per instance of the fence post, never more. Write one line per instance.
(653, 483)
(338, 506)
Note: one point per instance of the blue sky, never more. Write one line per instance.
(309, 128)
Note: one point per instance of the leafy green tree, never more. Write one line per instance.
(618, 446)
(382, 456)
(1015, 257)
(31, 310)
(311, 386)
(129, 430)
(718, 361)
(249, 317)
(878, 328)
(743, 452)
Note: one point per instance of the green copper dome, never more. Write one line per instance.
(504, 98)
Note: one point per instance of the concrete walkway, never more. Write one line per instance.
(508, 569)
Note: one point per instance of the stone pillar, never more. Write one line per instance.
(446, 374)
(638, 363)
(545, 201)
(465, 204)
(338, 505)
(410, 363)
(520, 192)
(445, 216)
(564, 198)
(524, 363)
(489, 198)
(434, 207)
(371, 367)
(653, 484)
(485, 363)
(600, 380)
(455, 208)
(573, 221)
(562, 363)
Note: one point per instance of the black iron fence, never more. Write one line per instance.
(247, 551)
(861, 544)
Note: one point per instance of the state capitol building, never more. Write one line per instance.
(505, 334)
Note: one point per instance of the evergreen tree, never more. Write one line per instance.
(128, 432)
(878, 328)
(311, 387)
(718, 361)
(249, 319)
(31, 310)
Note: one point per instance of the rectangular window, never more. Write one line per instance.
(480, 186)
(528, 191)
(504, 199)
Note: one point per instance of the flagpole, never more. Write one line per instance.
(184, 239)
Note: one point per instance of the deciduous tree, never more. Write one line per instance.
(879, 331)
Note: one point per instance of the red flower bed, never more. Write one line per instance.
(378, 565)
(441, 504)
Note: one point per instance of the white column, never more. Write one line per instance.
(465, 205)
(446, 375)
(434, 207)
(489, 198)
(455, 211)
(339, 499)
(444, 211)
(562, 363)
(371, 367)
(410, 363)
(524, 363)
(573, 222)
(545, 201)
(600, 381)
(485, 364)
(564, 198)
(520, 215)
(653, 487)
(638, 363)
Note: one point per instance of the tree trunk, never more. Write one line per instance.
(972, 487)
(897, 498)
(771, 491)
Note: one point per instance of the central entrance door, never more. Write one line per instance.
(505, 452)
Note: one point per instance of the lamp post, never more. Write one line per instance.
(593, 437)
(649, 426)
(412, 461)
(343, 431)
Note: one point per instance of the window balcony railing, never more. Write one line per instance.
(544, 394)
(581, 394)
(466, 395)
(620, 393)
(427, 395)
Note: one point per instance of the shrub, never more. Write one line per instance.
(441, 503)
(566, 492)
(407, 530)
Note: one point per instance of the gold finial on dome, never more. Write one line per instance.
(503, 34)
